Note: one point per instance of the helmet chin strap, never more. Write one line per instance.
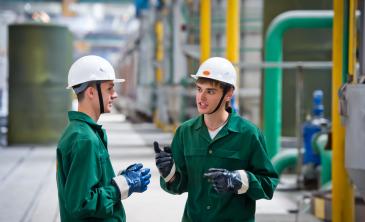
(225, 90)
(101, 102)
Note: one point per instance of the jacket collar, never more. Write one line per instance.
(231, 126)
(80, 116)
(231, 122)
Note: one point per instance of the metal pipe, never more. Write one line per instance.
(361, 41)
(205, 29)
(286, 158)
(352, 45)
(232, 31)
(298, 109)
(159, 30)
(342, 191)
(233, 40)
(319, 143)
(273, 76)
(287, 65)
(159, 75)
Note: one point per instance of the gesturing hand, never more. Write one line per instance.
(224, 180)
(164, 161)
(137, 178)
(133, 179)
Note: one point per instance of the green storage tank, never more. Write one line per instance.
(39, 58)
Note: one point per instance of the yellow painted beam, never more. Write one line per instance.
(342, 191)
(66, 11)
(233, 31)
(159, 30)
(159, 54)
(233, 37)
(205, 29)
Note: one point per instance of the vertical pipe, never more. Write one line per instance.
(362, 40)
(345, 41)
(233, 30)
(273, 75)
(352, 40)
(172, 43)
(233, 39)
(298, 107)
(66, 11)
(342, 192)
(159, 51)
(159, 54)
(205, 29)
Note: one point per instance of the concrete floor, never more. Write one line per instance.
(28, 186)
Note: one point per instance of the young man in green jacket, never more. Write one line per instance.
(219, 158)
(88, 189)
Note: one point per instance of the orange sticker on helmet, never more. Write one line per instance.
(206, 73)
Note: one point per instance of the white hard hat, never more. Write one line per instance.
(90, 68)
(219, 69)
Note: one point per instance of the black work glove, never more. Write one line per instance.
(164, 161)
(224, 180)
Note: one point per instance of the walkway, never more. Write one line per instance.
(28, 186)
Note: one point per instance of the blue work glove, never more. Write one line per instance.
(137, 178)
(133, 179)
(224, 180)
(164, 161)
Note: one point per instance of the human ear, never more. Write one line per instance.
(229, 95)
(89, 92)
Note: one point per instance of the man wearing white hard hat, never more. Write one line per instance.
(88, 189)
(219, 158)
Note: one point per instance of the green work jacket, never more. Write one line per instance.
(239, 145)
(84, 173)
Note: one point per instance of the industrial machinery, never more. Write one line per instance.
(315, 124)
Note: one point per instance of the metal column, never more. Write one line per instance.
(205, 29)
(342, 191)
(233, 39)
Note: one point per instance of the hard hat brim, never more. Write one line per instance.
(115, 81)
(194, 76)
(207, 77)
(119, 80)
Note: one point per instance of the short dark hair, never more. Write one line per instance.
(81, 95)
(214, 82)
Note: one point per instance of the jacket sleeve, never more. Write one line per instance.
(84, 196)
(179, 184)
(262, 176)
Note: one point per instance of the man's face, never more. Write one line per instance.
(109, 95)
(207, 97)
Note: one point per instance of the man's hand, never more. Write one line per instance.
(137, 178)
(164, 161)
(133, 179)
(224, 180)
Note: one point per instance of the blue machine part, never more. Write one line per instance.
(315, 124)
(234, 104)
(141, 5)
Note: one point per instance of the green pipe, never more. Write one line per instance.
(289, 157)
(273, 76)
(284, 159)
(345, 42)
(326, 164)
(319, 143)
